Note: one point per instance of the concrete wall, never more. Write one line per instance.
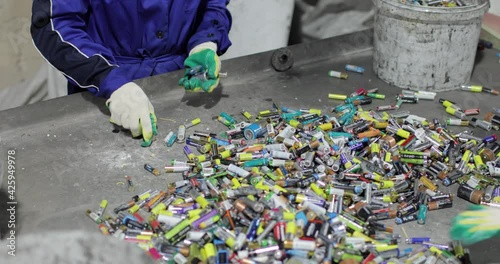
(256, 29)
(19, 60)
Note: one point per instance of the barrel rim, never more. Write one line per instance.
(435, 10)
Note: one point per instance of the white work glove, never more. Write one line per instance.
(131, 109)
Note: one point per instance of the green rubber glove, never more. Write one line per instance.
(131, 109)
(476, 224)
(202, 69)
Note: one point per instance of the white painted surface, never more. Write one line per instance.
(258, 25)
(495, 7)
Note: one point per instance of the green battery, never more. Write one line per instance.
(417, 153)
(415, 161)
(256, 163)
(376, 95)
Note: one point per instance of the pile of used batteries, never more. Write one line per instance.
(435, 3)
(295, 186)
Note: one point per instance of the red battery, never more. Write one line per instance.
(472, 111)
(279, 231)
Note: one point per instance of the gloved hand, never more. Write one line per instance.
(202, 69)
(476, 224)
(131, 109)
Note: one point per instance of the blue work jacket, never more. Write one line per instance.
(99, 45)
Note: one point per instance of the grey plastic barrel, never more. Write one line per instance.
(426, 48)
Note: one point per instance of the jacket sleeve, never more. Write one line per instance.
(215, 25)
(58, 31)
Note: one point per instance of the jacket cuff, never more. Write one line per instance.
(202, 46)
(112, 82)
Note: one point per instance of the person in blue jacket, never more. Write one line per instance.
(101, 46)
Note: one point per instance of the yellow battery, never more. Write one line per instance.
(451, 110)
(157, 209)
(104, 204)
(236, 183)
(478, 161)
(206, 148)
(245, 156)
(279, 189)
(179, 201)
(437, 138)
(337, 96)
(447, 103)
(294, 123)
(262, 186)
(230, 242)
(326, 126)
(210, 250)
(385, 247)
(202, 201)
(317, 190)
(143, 237)
(260, 228)
(399, 143)
(315, 111)
(196, 121)
(380, 125)
(225, 154)
(201, 158)
(195, 212)
(435, 250)
(265, 112)
(191, 156)
(247, 115)
(361, 235)
(377, 177)
(134, 209)
(476, 88)
(428, 183)
(386, 198)
(375, 148)
(385, 116)
(403, 133)
(466, 156)
(144, 196)
(203, 255)
(166, 212)
(386, 184)
(288, 216)
(388, 157)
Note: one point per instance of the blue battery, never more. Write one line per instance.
(417, 240)
(253, 131)
(354, 68)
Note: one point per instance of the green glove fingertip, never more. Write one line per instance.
(153, 124)
(146, 143)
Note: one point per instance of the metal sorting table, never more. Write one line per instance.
(69, 157)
